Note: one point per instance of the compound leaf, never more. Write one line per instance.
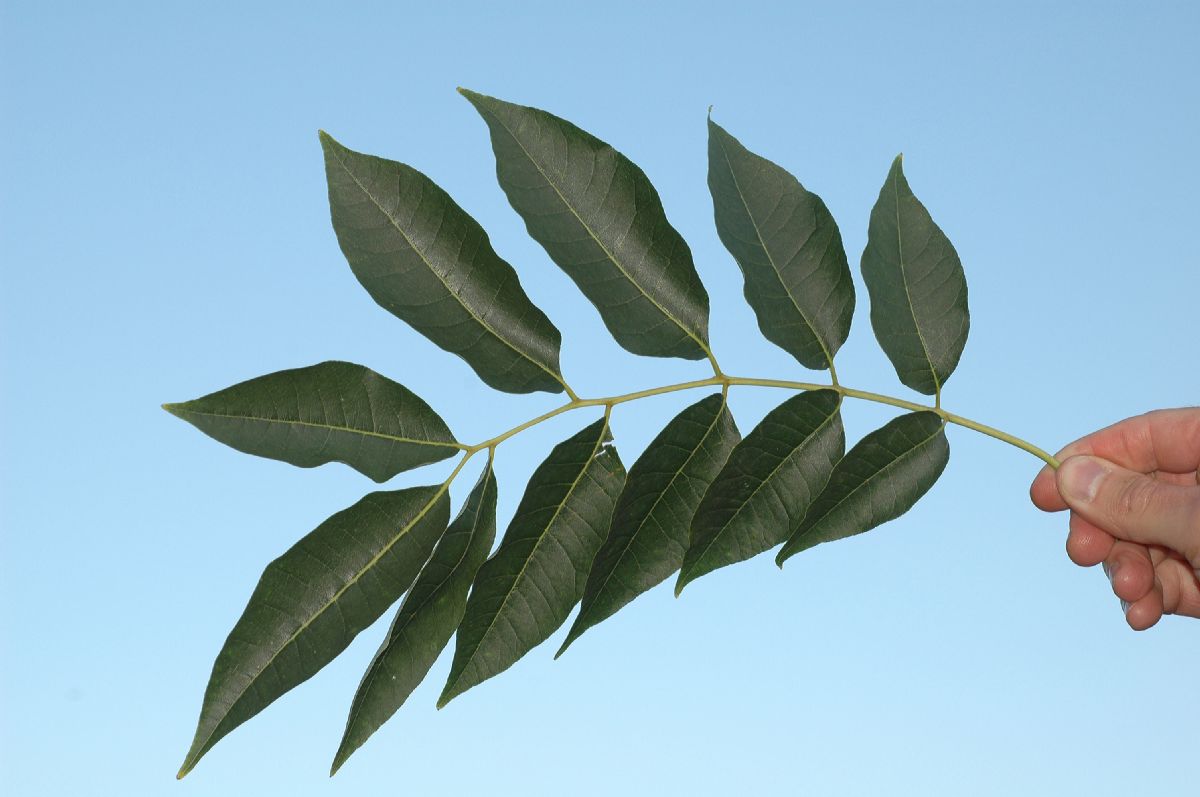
(426, 620)
(765, 488)
(314, 599)
(788, 247)
(526, 590)
(653, 516)
(422, 258)
(599, 218)
(878, 480)
(330, 412)
(917, 287)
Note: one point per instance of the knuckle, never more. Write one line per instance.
(1134, 498)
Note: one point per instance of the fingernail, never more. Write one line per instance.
(1080, 477)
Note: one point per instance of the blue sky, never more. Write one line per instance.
(166, 233)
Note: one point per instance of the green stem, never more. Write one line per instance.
(712, 360)
(725, 382)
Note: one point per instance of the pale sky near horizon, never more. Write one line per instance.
(164, 232)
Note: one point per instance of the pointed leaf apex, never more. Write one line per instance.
(174, 409)
(449, 692)
(679, 585)
(342, 755)
(572, 635)
(710, 113)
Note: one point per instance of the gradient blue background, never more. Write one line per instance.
(165, 233)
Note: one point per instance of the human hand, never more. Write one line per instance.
(1134, 494)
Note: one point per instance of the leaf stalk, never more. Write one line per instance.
(725, 381)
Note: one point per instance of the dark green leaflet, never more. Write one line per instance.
(331, 412)
(426, 261)
(653, 515)
(526, 590)
(426, 620)
(878, 480)
(314, 599)
(765, 488)
(599, 218)
(917, 287)
(788, 247)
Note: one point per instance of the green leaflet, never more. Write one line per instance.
(788, 247)
(422, 258)
(426, 620)
(878, 480)
(314, 599)
(917, 287)
(653, 516)
(599, 218)
(765, 488)
(330, 412)
(528, 587)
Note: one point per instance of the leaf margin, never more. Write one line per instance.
(722, 423)
(187, 411)
(437, 502)
(605, 458)
(876, 271)
(335, 151)
(829, 340)
(831, 425)
(481, 500)
(698, 336)
(798, 541)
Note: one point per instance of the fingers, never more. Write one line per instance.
(1163, 440)
(1133, 506)
(1130, 571)
(1146, 611)
(1180, 587)
(1176, 590)
(1151, 581)
(1044, 491)
(1087, 545)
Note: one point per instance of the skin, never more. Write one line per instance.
(1133, 491)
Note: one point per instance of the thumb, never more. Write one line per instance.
(1133, 506)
